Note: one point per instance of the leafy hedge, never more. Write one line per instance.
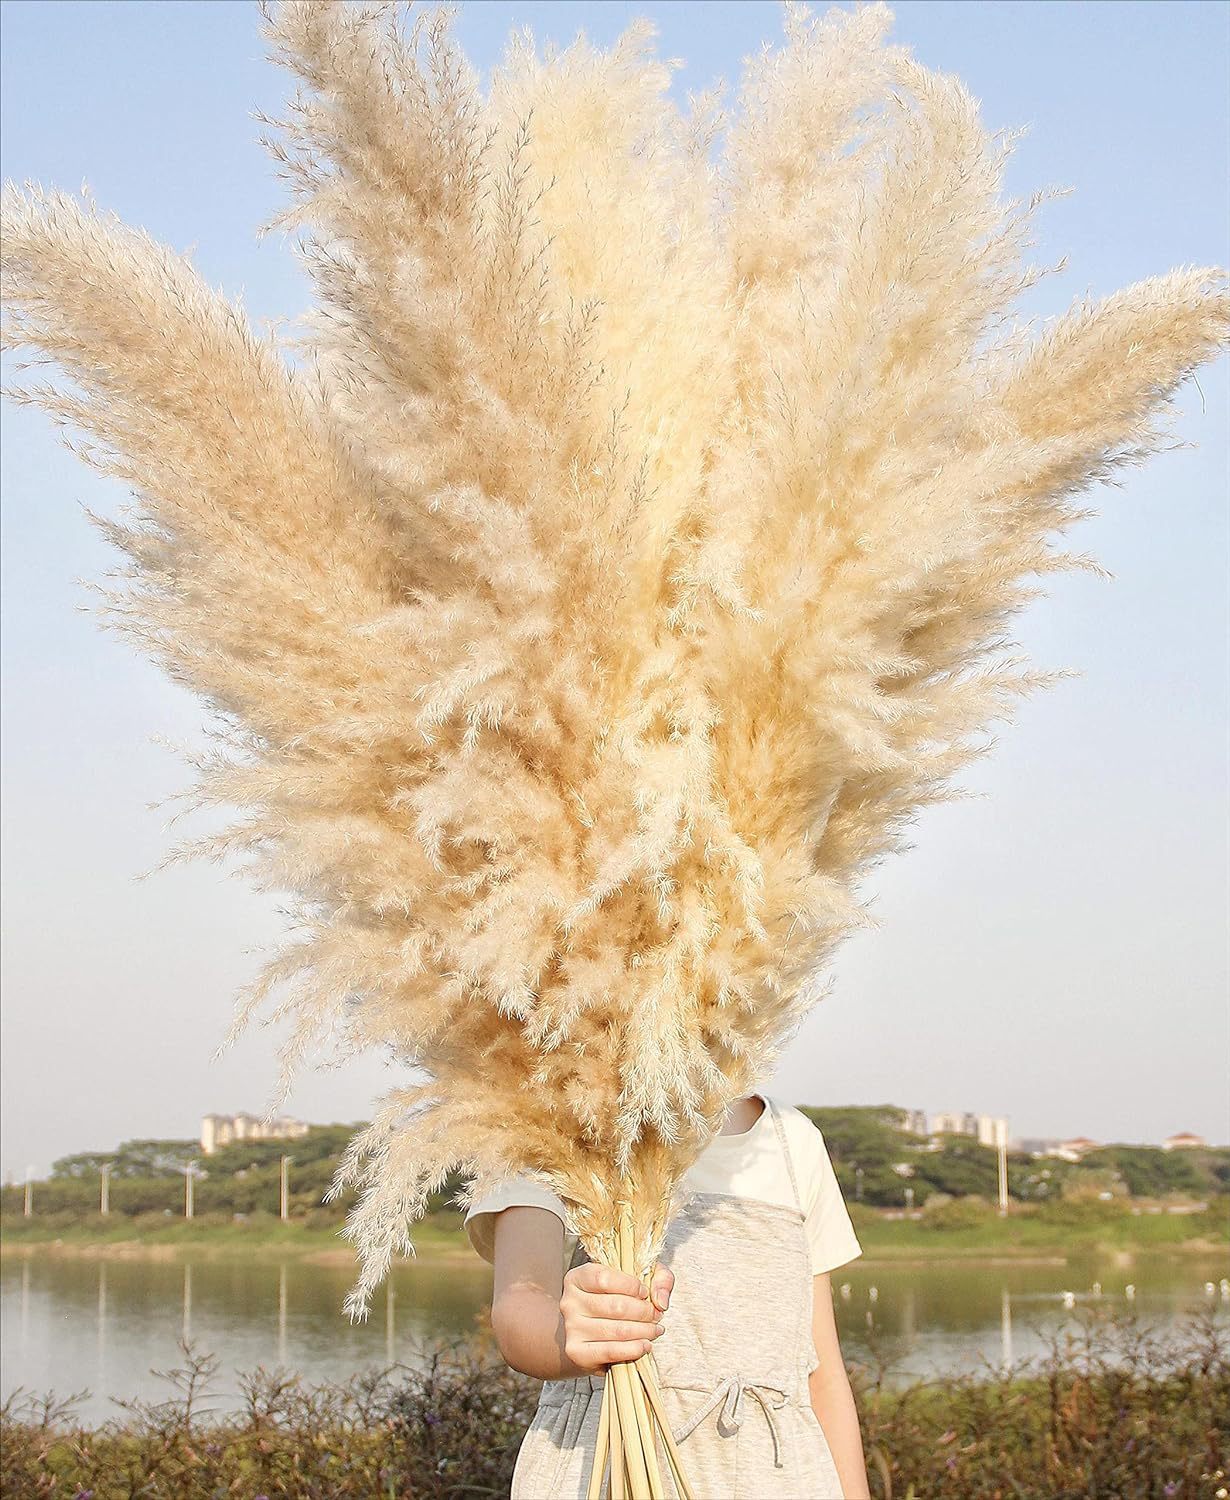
(1115, 1408)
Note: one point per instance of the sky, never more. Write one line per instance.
(1053, 949)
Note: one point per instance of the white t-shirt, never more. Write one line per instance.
(748, 1164)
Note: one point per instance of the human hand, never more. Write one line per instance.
(609, 1317)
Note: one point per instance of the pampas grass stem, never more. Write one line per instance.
(644, 1418)
(654, 1396)
(602, 1446)
(619, 1484)
(630, 1419)
(632, 1435)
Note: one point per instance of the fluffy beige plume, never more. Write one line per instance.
(626, 559)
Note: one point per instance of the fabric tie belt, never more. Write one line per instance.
(729, 1394)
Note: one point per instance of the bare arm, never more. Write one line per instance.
(832, 1399)
(555, 1326)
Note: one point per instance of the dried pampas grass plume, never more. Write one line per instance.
(625, 559)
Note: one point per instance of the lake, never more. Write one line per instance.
(69, 1323)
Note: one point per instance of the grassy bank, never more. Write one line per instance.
(964, 1229)
(970, 1229)
(1114, 1408)
(211, 1235)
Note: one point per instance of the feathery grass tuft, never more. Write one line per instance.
(619, 556)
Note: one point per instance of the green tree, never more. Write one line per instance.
(870, 1139)
(85, 1165)
(140, 1158)
(1150, 1171)
(962, 1165)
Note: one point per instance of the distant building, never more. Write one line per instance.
(225, 1130)
(985, 1129)
(1074, 1149)
(1184, 1141)
(1037, 1145)
(916, 1122)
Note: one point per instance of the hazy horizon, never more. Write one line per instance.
(1054, 950)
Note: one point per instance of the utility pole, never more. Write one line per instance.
(104, 1190)
(28, 1206)
(189, 1174)
(1001, 1146)
(284, 1189)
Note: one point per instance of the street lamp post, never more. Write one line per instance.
(104, 1189)
(189, 1175)
(27, 1207)
(284, 1188)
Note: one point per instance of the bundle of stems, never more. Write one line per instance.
(618, 558)
(632, 1418)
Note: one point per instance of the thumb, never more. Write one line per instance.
(660, 1287)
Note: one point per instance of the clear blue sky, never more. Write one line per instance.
(1056, 951)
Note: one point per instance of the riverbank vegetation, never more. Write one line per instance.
(212, 1235)
(1114, 1407)
(879, 1163)
(960, 1228)
(877, 1159)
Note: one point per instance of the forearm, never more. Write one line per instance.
(833, 1403)
(529, 1330)
(558, 1325)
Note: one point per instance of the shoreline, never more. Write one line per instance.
(311, 1247)
(141, 1250)
(152, 1250)
(454, 1251)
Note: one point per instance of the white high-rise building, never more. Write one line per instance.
(987, 1130)
(224, 1130)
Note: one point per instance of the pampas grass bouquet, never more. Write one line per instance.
(613, 562)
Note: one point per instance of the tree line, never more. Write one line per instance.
(876, 1159)
(877, 1162)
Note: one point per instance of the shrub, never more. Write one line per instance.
(448, 1426)
(1115, 1408)
(941, 1212)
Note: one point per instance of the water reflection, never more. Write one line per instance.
(282, 1313)
(916, 1320)
(25, 1307)
(72, 1323)
(909, 1326)
(102, 1314)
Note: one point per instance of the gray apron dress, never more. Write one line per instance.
(733, 1364)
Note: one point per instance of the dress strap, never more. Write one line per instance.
(785, 1145)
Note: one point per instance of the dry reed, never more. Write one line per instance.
(616, 560)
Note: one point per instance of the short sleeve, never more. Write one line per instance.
(516, 1192)
(830, 1234)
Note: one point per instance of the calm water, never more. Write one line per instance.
(68, 1324)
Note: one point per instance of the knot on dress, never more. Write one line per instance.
(729, 1394)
